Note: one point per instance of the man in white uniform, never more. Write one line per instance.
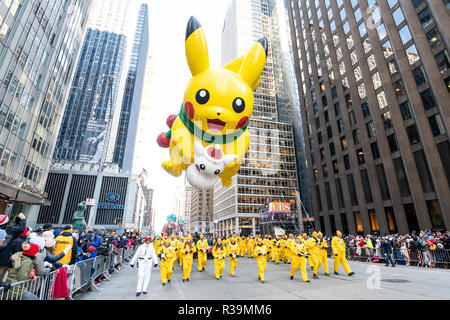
(147, 259)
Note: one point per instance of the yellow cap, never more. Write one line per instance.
(314, 234)
(304, 235)
(320, 234)
(339, 233)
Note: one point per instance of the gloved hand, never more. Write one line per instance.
(155, 265)
(259, 254)
(335, 254)
(132, 265)
(162, 255)
(67, 249)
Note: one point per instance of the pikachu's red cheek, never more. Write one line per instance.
(242, 122)
(189, 108)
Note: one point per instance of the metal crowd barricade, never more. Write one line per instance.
(79, 276)
(40, 289)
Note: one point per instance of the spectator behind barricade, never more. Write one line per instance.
(50, 250)
(21, 238)
(39, 261)
(62, 241)
(3, 236)
(23, 263)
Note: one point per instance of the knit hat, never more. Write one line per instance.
(147, 238)
(91, 248)
(3, 219)
(47, 227)
(68, 228)
(30, 249)
(50, 243)
(39, 241)
(48, 235)
(2, 234)
(24, 233)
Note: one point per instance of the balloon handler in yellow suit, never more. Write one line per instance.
(298, 259)
(338, 247)
(188, 257)
(323, 254)
(167, 253)
(202, 250)
(219, 253)
(233, 253)
(217, 105)
(260, 253)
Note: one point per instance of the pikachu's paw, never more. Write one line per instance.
(226, 182)
(173, 169)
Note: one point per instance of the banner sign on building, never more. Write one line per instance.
(90, 202)
(283, 207)
(94, 141)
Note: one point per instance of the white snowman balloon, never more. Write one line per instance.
(209, 162)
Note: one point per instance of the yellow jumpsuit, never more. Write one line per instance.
(289, 243)
(323, 256)
(266, 242)
(310, 260)
(202, 249)
(219, 261)
(180, 244)
(313, 250)
(188, 257)
(261, 260)
(233, 253)
(166, 267)
(277, 249)
(250, 245)
(338, 247)
(243, 247)
(174, 245)
(298, 254)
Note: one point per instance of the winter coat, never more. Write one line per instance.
(39, 261)
(21, 270)
(54, 259)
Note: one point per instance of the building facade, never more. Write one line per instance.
(373, 77)
(269, 170)
(39, 45)
(201, 211)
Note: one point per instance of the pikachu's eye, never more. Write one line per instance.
(238, 105)
(202, 96)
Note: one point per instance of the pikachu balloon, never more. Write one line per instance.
(217, 105)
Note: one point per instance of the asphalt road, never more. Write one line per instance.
(371, 281)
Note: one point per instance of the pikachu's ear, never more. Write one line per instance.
(196, 47)
(236, 65)
(254, 62)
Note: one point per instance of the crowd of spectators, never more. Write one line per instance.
(26, 253)
(426, 248)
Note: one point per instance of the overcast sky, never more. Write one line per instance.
(167, 23)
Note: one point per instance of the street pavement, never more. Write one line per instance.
(371, 281)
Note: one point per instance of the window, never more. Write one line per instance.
(356, 138)
(401, 177)
(405, 35)
(375, 150)
(434, 37)
(366, 186)
(413, 134)
(387, 120)
(371, 129)
(424, 172)
(360, 156)
(399, 88)
(436, 124)
(340, 125)
(337, 109)
(412, 54)
(419, 76)
(343, 143)
(406, 111)
(428, 99)
(437, 221)
(352, 190)
(392, 141)
(398, 16)
(425, 18)
(365, 109)
(346, 162)
(442, 61)
(332, 149)
(335, 166)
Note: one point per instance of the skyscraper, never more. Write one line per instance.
(93, 157)
(269, 170)
(39, 45)
(374, 80)
(129, 115)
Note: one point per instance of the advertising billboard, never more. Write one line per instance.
(94, 141)
(283, 207)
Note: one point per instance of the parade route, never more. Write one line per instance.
(371, 281)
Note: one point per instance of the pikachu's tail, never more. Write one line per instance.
(164, 137)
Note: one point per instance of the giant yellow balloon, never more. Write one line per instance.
(217, 105)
